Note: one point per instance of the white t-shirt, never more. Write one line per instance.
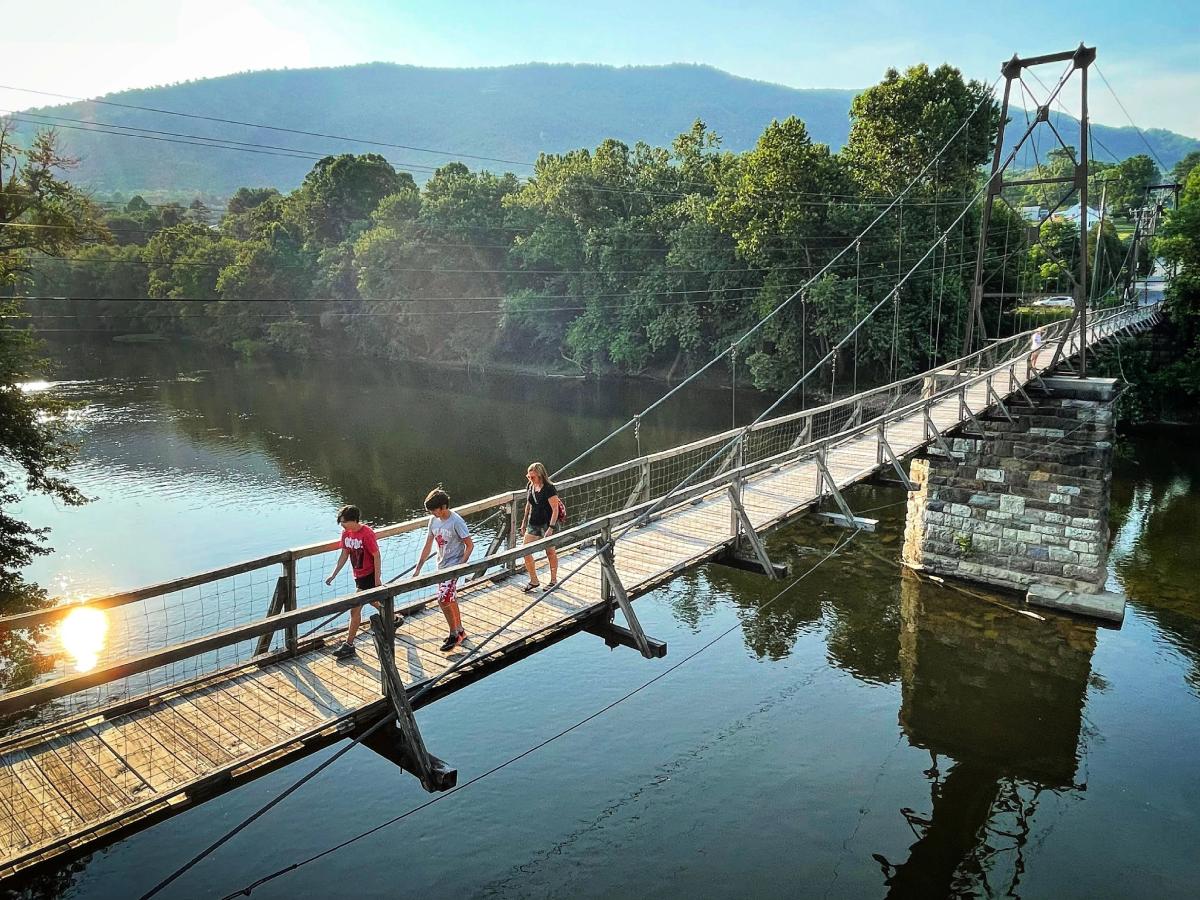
(449, 534)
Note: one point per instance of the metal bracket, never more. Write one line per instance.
(745, 530)
(407, 747)
(931, 432)
(615, 591)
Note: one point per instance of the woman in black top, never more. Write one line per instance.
(543, 510)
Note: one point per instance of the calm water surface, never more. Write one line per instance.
(864, 735)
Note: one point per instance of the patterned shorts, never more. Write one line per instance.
(447, 591)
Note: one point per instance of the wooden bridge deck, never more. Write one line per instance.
(68, 788)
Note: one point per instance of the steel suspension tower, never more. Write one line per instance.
(1080, 59)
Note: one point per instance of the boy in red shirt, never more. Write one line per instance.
(360, 546)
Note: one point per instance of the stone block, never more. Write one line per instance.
(1084, 522)
(1059, 554)
(1068, 489)
(1081, 546)
(1057, 518)
(1035, 552)
(1063, 499)
(1048, 432)
(995, 515)
(1012, 504)
(1089, 559)
(986, 501)
(1039, 476)
(992, 475)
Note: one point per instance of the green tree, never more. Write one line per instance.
(33, 445)
(900, 124)
(1128, 182)
(1183, 168)
(337, 197)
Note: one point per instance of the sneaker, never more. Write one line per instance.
(345, 651)
(451, 642)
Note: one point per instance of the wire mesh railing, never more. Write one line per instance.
(120, 649)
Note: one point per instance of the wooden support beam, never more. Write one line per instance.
(997, 401)
(931, 431)
(617, 594)
(733, 559)
(745, 531)
(858, 523)
(275, 608)
(616, 636)
(412, 745)
(890, 455)
(846, 517)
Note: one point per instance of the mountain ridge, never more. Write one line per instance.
(503, 112)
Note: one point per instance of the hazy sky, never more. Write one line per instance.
(1149, 50)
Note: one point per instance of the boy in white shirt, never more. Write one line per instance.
(454, 546)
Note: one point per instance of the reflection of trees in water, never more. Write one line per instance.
(1002, 696)
(1156, 526)
(383, 433)
(852, 595)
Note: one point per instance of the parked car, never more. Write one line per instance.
(1055, 301)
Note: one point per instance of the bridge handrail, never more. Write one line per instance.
(35, 618)
(35, 695)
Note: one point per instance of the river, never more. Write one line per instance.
(865, 734)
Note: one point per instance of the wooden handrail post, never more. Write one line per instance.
(513, 525)
(291, 632)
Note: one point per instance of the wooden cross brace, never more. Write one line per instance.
(408, 747)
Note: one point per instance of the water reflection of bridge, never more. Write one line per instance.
(1002, 697)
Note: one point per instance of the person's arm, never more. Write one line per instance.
(460, 528)
(345, 555)
(378, 566)
(555, 513)
(525, 518)
(424, 554)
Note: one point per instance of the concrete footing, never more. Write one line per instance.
(1104, 605)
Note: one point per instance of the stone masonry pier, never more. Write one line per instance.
(1021, 500)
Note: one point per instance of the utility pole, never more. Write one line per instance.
(1082, 57)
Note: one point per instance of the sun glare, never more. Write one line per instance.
(82, 634)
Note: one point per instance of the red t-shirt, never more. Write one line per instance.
(362, 546)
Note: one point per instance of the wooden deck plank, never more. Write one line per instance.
(162, 767)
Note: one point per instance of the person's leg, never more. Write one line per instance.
(530, 566)
(552, 556)
(355, 622)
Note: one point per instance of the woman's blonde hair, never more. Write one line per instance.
(540, 470)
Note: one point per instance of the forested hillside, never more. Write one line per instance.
(511, 113)
(618, 259)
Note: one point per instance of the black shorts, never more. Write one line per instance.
(539, 531)
(365, 582)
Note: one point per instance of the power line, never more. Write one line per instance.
(318, 134)
(1130, 118)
